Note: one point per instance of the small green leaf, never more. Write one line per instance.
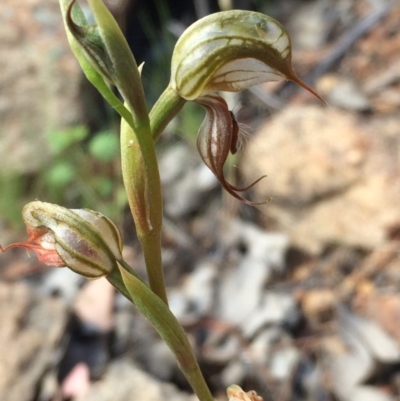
(60, 175)
(61, 140)
(104, 186)
(104, 146)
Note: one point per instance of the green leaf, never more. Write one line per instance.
(60, 175)
(61, 140)
(104, 146)
(104, 186)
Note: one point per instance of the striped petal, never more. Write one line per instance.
(231, 51)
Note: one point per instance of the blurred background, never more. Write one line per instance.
(298, 299)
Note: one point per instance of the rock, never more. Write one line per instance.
(40, 82)
(308, 153)
(194, 299)
(123, 381)
(135, 336)
(94, 304)
(368, 393)
(331, 175)
(62, 282)
(221, 347)
(366, 344)
(242, 286)
(283, 363)
(385, 310)
(316, 303)
(309, 25)
(274, 309)
(378, 343)
(31, 330)
(343, 92)
(77, 383)
(233, 373)
(348, 370)
(186, 180)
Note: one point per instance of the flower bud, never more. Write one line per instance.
(231, 51)
(105, 56)
(83, 240)
(90, 41)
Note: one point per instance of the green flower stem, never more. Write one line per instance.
(144, 196)
(166, 324)
(164, 110)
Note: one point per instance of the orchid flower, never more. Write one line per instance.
(83, 240)
(228, 51)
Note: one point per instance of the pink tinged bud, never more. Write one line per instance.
(83, 240)
(217, 136)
